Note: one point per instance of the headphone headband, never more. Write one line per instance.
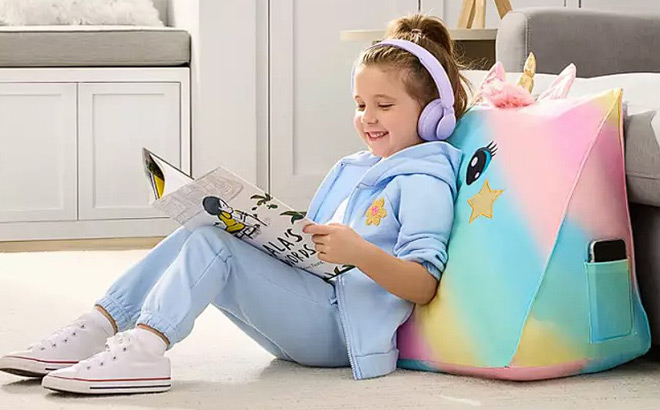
(431, 64)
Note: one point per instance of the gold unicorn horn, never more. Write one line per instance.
(526, 80)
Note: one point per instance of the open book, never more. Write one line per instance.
(227, 201)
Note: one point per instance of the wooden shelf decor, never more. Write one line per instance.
(473, 13)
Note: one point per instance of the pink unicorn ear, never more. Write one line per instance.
(496, 72)
(561, 85)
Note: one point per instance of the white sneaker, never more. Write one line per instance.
(128, 365)
(66, 347)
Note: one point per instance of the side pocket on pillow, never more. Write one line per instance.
(610, 299)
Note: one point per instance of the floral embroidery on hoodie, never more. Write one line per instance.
(376, 211)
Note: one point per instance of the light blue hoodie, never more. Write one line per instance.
(417, 186)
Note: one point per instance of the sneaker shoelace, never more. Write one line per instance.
(61, 335)
(114, 346)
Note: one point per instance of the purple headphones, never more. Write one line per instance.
(437, 120)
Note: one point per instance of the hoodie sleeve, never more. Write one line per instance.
(426, 215)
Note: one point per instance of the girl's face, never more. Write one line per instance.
(385, 115)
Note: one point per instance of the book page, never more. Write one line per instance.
(174, 178)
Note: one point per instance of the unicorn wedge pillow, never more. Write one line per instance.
(520, 298)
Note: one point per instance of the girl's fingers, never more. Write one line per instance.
(315, 229)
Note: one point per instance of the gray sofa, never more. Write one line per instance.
(602, 44)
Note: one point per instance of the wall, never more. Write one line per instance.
(223, 82)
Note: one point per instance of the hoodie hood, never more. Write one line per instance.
(438, 159)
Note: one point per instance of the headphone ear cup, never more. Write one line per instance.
(429, 120)
(446, 125)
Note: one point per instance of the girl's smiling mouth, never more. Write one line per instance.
(376, 135)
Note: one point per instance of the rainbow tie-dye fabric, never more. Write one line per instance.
(519, 298)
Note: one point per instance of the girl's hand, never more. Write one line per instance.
(337, 243)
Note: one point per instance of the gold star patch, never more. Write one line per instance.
(482, 202)
(376, 211)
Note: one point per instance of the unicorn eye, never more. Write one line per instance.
(479, 162)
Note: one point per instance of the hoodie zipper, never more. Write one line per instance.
(355, 370)
(340, 295)
(340, 284)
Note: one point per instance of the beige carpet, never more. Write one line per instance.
(218, 367)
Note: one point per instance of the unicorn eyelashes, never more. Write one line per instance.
(479, 162)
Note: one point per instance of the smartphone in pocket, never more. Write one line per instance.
(606, 250)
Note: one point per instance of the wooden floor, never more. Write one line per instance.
(81, 244)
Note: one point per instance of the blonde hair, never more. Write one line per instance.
(431, 33)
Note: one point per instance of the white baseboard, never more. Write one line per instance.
(120, 228)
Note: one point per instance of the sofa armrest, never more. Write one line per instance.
(597, 42)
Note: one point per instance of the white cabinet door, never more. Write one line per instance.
(631, 6)
(449, 10)
(37, 152)
(116, 120)
(311, 107)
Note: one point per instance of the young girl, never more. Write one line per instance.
(388, 211)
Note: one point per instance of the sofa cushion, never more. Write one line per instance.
(641, 123)
(71, 46)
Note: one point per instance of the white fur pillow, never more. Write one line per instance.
(92, 12)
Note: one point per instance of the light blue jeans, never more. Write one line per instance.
(289, 312)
